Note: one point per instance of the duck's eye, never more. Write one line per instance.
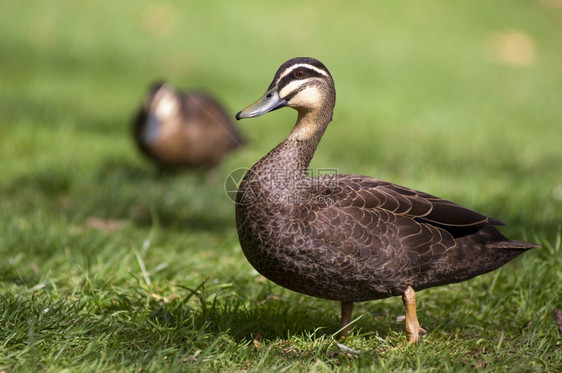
(299, 74)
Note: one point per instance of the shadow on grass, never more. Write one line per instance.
(121, 190)
(125, 170)
(267, 316)
(173, 199)
(275, 319)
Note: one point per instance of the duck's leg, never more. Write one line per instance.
(413, 328)
(346, 311)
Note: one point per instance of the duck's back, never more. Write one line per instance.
(208, 127)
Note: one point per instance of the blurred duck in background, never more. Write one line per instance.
(184, 130)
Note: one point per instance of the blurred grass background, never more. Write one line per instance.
(466, 107)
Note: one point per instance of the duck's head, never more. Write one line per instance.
(162, 102)
(160, 106)
(302, 83)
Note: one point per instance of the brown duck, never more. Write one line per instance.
(183, 130)
(351, 238)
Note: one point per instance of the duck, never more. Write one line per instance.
(351, 238)
(179, 130)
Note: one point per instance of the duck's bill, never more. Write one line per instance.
(268, 102)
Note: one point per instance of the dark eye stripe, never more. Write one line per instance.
(290, 77)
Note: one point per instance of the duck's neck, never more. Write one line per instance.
(291, 158)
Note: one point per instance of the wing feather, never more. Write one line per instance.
(370, 193)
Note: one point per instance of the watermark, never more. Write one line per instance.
(232, 185)
(304, 186)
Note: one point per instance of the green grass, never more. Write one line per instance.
(104, 266)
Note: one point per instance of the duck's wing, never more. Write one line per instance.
(369, 193)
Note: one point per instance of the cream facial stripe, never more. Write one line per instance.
(293, 86)
(288, 71)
